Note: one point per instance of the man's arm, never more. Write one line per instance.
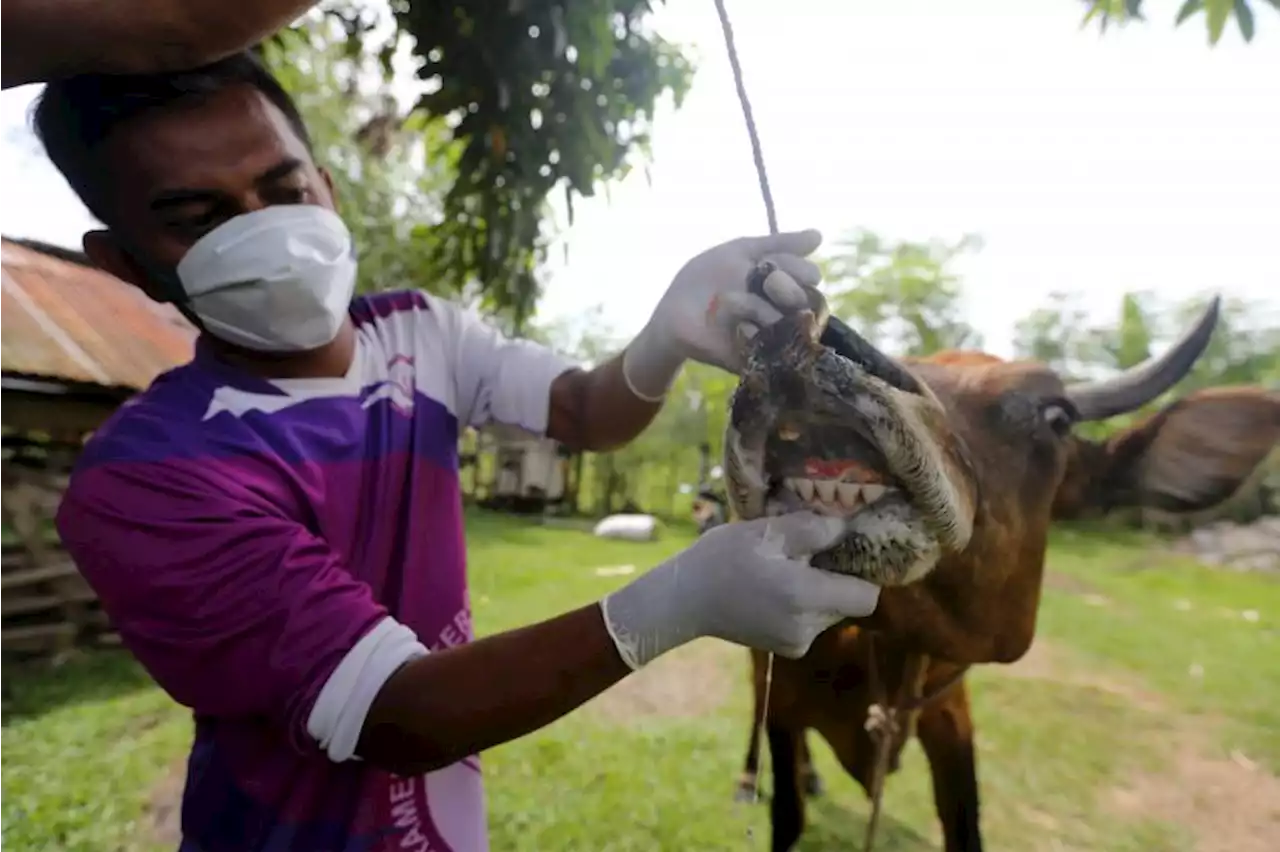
(522, 383)
(442, 707)
(47, 39)
(596, 410)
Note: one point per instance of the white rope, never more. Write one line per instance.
(756, 152)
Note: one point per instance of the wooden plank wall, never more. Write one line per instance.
(48, 608)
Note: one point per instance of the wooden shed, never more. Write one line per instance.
(76, 342)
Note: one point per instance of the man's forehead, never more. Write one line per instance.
(208, 141)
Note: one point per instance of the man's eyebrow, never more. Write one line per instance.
(180, 197)
(281, 170)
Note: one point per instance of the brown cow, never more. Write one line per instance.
(958, 467)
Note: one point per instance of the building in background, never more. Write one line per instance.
(77, 343)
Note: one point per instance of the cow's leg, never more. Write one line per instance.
(810, 781)
(786, 809)
(747, 782)
(945, 730)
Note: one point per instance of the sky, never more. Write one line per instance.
(1095, 164)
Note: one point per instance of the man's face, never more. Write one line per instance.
(181, 171)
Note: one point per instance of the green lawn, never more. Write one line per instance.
(1147, 679)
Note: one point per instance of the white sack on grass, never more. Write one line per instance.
(628, 527)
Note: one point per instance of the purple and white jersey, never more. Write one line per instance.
(245, 535)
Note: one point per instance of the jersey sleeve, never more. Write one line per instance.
(233, 608)
(497, 379)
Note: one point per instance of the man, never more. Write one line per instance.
(708, 509)
(276, 528)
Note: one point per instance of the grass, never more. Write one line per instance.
(86, 744)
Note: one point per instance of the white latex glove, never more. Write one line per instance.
(749, 583)
(708, 299)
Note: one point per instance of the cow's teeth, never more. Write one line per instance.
(850, 494)
(826, 489)
(872, 493)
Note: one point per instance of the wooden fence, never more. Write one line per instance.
(48, 608)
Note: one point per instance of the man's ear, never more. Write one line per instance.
(1197, 451)
(107, 255)
(327, 177)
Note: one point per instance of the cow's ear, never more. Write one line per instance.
(1197, 451)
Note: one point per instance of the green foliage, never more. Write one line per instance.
(1133, 336)
(1245, 348)
(531, 96)
(390, 189)
(1216, 14)
(1057, 335)
(903, 296)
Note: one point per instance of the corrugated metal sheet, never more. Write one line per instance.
(72, 323)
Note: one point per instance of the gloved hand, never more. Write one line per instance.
(749, 583)
(707, 301)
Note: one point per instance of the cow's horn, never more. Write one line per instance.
(1138, 385)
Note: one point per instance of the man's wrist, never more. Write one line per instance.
(650, 365)
(647, 617)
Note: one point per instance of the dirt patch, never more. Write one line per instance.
(164, 807)
(688, 682)
(1227, 804)
(1072, 585)
(1045, 662)
(1223, 804)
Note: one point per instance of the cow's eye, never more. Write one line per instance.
(1058, 415)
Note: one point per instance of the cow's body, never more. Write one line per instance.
(961, 558)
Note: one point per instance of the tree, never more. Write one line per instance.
(1128, 341)
(1057, 335)
(530, 95)
(1244, 349)
(1216, 13)
(391, 188)
(902, 296)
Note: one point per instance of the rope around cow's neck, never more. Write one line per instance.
(886, 731)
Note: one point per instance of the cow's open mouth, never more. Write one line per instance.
(829, 469)
(846, 437)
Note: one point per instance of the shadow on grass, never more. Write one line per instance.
(830, 825)
(33, 689)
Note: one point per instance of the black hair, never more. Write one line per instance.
(76, 115)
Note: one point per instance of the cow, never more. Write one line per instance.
(949, 470)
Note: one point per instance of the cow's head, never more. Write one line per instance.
(950, 469)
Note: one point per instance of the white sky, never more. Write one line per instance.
(1139, 160)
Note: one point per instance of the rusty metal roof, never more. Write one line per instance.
(73, 323)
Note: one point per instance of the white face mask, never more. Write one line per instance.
(278, 279)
